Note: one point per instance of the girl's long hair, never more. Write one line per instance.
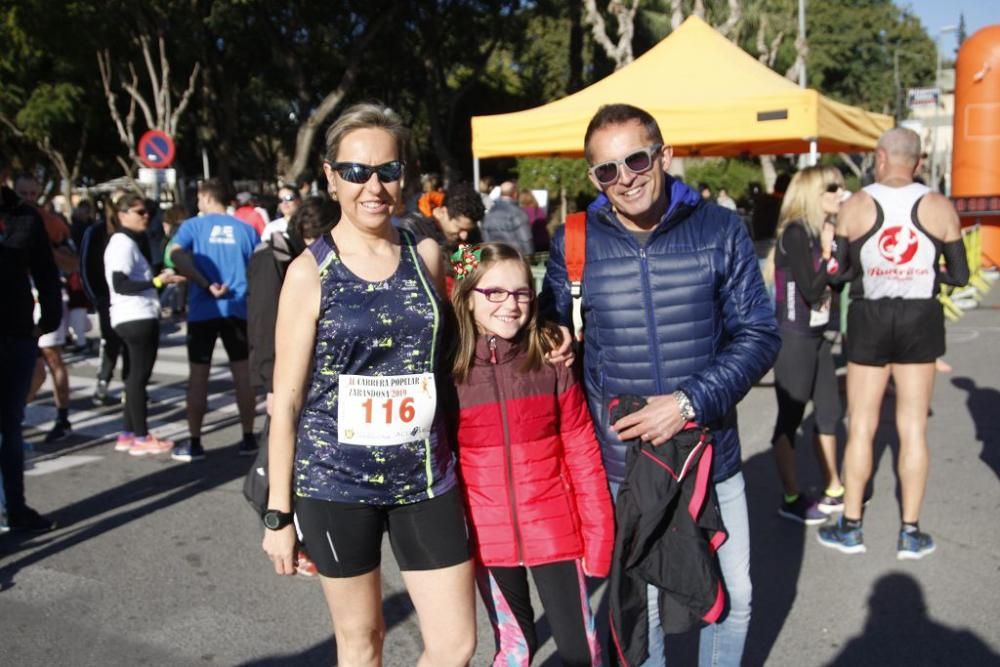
(537, 339)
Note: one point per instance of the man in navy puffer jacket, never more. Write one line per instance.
(675, 310)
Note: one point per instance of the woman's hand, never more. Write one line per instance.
(169, 277)
(279, 545)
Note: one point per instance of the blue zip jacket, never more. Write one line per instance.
(687, 311)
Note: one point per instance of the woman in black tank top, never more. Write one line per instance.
(356, 447)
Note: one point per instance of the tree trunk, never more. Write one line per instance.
(770, 173)
(575, 81)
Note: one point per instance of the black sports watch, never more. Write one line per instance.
(275, 520)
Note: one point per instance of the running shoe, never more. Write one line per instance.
(802, 510)
(845, 540)
(124, 442)
(150, 445)
(304, 565)
(100, 397)
(248, 446)
(914, 546)
(28, 520)
(187, 452)
(61, 431)
(831, 504)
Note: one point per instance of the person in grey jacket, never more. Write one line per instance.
(505, 222)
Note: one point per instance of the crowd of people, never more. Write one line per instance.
(417, 384)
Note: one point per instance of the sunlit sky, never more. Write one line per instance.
(936, 14)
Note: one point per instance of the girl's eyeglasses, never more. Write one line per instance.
(639, 162)
(355, 172)
(499, 294)
(834, 187)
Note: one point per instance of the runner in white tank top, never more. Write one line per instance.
(898, 257)
(889, 240)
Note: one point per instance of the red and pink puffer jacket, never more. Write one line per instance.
(533, 479)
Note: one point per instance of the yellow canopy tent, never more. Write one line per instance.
(710, 98)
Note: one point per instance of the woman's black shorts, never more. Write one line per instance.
(895, 331)
(345, 539)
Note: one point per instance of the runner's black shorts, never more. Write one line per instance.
(345, 539)
(201, 338)
(895, 331)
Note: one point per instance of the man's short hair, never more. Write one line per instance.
(215, 190)
(619, 114)
(901, 145)
(316, 217)
(463, 199)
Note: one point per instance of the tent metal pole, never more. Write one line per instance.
(813, 155)
(475, 172)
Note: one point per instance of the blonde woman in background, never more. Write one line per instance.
(804, 370)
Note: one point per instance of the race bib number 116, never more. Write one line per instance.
(385, 410)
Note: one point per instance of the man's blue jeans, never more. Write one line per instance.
(720, 644)
(17, 363)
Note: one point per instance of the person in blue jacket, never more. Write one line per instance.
(674, 310)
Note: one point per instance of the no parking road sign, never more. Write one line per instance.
(156, 149)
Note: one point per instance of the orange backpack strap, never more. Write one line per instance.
(576, 258)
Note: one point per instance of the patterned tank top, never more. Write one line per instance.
(378, 344)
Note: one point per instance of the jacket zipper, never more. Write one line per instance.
(650, 318)
(508, 456)
(647, 297)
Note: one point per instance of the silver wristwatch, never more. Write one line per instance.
(684, 404)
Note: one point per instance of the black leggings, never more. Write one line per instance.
(142, 339)
(111, 347)
(805, 371)
(562, 589)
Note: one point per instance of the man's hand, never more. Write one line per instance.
(218, 290)
(657, 423)
(564, 353)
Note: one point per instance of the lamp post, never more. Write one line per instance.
(810, 159)
(937, 107)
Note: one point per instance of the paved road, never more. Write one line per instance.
(159, 563)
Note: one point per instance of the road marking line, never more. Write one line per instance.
(48, 466)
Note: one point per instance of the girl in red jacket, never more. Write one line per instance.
(534, 483)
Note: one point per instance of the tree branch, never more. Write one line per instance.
(307, 131)
(174, 119)
(163, 106)
(846, 159)
(133, 90)
(801, 51)
(676, 14)
(731, 26)
(599, 30)
(104, 65)
(153, 79)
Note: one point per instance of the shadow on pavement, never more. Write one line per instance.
(984, 408)
(777, 545)
(899, 632)
(396, 608)
(171, 485)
